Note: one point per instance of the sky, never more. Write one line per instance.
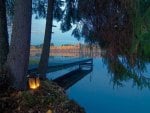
(58, 38)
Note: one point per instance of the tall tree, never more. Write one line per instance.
(18, 57)
(53, 11)
(43, 65)
(4, 46)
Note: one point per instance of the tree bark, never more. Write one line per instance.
(4, 46)
(43, 65)
(18, 57)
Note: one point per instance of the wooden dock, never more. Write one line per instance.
(59, 65)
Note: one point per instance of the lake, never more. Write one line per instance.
(98, 92)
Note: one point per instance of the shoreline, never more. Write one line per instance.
(49, 98)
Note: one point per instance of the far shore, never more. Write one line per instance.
(68, 50)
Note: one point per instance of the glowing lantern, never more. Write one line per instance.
(33, 81)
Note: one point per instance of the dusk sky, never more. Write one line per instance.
(58, 38)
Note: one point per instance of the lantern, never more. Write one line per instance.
(33, 81)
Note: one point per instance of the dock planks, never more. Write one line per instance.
(59, 65)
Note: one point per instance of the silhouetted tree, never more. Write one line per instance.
(70, 15)
(43, 65)
(18, 57)
(4, 46)
(39, 8)
(53, 11)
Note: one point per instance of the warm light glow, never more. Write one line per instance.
(37, 82)
(34, 83)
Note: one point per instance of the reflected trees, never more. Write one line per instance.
(129, 63)
(122, 29)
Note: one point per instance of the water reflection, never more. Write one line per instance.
(100, 95)
(122, 70)
(127, 51)
(69, 79)
(125, 64)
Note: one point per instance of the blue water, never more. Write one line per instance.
(97, 94)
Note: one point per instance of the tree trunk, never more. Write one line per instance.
(43, 65)
(4, 46)
(18, 57)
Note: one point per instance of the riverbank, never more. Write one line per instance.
(49, 98)
(68, 50)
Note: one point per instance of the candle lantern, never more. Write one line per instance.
(33, 81)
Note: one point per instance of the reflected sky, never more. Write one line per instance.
(97, 94)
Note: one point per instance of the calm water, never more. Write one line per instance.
(112, 87)
(97, 93)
